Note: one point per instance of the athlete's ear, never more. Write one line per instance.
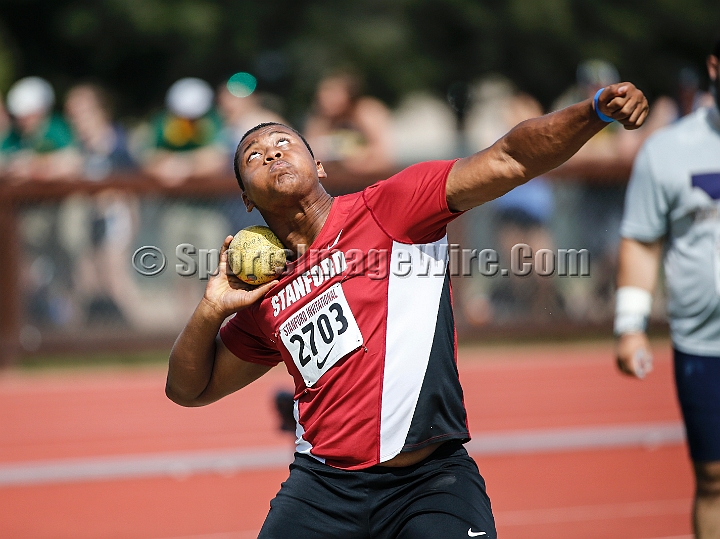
(249, 205)
(320, 170)
(713, 66)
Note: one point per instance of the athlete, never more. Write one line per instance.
(362, 319)
(673, 203)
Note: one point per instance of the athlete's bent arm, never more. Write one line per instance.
(638, 265)
(538, 145)
(201, 369)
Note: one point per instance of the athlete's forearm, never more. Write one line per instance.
(540, 144)
(192, 357)
(638, 264)
(530, 149)
(536, 146)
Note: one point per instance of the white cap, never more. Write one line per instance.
(597, 73)
(189, 98)
(29, 96)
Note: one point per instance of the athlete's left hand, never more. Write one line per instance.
(625, 103)
(633, 354)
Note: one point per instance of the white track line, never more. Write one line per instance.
(178, 465)
(578, 438)
(231, 461)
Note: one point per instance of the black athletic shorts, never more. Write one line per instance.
(698, 386)
(442, 496)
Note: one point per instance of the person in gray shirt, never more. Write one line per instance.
(672, 212)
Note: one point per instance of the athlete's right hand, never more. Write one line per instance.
(633, 354)
(624, 103)
(227, 294)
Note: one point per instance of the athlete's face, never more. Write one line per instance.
(277, 168)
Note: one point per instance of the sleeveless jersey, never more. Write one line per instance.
(363, 321)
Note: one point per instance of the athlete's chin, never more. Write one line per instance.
(285, 177)
(288, 183)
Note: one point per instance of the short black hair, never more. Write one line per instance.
(236, 159)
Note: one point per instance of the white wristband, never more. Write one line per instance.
(632, 308)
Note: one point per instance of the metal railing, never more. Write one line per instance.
(15, 198)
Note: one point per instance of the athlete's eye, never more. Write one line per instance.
(283, 142)
(253, 155)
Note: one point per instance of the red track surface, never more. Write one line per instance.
(627, 493)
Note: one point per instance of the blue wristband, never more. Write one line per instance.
(604, 118)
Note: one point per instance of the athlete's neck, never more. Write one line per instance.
(299, 227)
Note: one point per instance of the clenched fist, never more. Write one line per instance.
(625, 103)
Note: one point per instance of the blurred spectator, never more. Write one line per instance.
(348, 128)
(102, 143)
(671, 215)
(240, 114)
(95, 230)
(521, 216)
(424, 127)
(600, 202)
(40, 144)
(495, 107)
(591, 75)
(5, 122)
(613, 143)
(186, 138)
(96, 234)
(689, 95)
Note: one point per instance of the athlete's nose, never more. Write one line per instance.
(273, 154)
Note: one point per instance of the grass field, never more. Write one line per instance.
(569, 449)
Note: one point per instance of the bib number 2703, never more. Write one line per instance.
(321, 333)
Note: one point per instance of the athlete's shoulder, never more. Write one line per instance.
(411, 206)
(348, 199)
(414, 175)
(427, 167)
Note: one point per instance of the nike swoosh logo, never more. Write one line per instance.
(321, 364)
(475, 534)
(333, 244)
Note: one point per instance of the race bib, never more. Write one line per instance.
(320, 334)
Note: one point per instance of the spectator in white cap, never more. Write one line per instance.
(186, 138)
(40, 144)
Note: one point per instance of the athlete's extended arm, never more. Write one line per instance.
(201, 369)
(638, 265)
(538, 145)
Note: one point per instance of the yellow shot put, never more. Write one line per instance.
(256, 255)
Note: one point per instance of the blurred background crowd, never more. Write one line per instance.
(195, 134)
(114, 94)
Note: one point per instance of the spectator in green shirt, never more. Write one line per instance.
(40, 144)
(185, 139)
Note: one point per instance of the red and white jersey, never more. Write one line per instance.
(364, 323)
